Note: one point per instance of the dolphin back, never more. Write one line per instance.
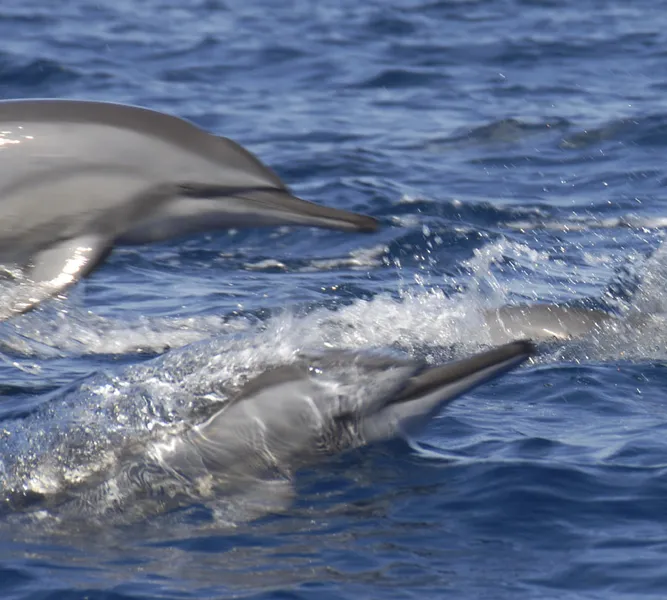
(76, 118)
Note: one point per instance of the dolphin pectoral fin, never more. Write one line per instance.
(56, 268)
(69, 261)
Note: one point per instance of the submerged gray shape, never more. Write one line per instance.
(79, 178)
(544, 322)
(287, 418)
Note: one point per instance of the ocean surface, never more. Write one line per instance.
(513, 150)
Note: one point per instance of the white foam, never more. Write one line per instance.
(268, 264)
(74, 332)
(363, 258)
(111, 411)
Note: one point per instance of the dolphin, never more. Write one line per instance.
(287, 418)
(641, 308)
(543, 322)
(80, 177)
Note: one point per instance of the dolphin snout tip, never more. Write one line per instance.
(526, 345)
(366, 224)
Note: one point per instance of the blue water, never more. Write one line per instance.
(513, 150)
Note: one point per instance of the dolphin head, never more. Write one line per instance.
(193, 209)
(287, 418)
(291, 416)
(132, 175)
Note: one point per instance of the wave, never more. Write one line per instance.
(75, 432)
(586, 223)
(437, 299)
(35, 76)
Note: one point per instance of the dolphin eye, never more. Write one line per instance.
(339, 434)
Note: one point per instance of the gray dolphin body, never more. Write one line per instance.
(286, 418)
(78, 178)
(544, 322)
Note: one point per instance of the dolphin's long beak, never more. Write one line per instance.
(426, 393)
(267, 206)
(451, 380)
(284, 206)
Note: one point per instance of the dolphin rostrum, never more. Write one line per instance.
(286, 418)
(80, 177)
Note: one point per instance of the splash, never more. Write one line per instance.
(77, 433)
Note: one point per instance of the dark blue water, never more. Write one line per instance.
(514, 150)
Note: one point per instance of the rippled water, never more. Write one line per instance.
(513, 151)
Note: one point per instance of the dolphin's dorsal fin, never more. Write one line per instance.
(54, 269)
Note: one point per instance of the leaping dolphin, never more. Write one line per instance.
(285, 419)
(78, 178)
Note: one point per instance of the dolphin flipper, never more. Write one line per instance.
(54, 269)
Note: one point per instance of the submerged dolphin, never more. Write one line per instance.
(544, 322)
(285, 419)
(641, 308)
(79, 177)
